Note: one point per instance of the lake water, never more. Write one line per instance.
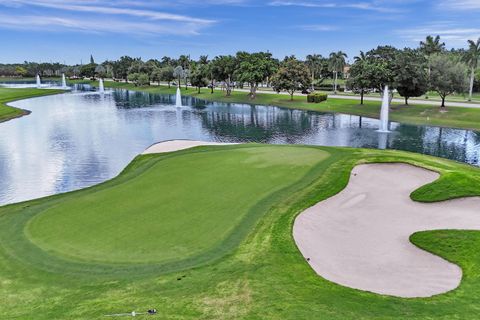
(78, 139)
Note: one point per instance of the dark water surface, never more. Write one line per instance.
(79, 139)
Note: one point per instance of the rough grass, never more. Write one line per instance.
(11, 94)
(259, 274)
(455, 117)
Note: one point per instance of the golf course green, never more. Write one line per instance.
(206, 233)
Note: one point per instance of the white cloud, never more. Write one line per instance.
(367, 6)
(318, 27)
(91, 8)
(448, 31)
(60, 24)
(98, 16)
(460, 4)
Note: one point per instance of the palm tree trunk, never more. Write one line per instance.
(336, 77)
(429, 76)
(472, 79)
(313, 80)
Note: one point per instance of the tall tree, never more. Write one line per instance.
(430, 47)
(292, 75)
(411, 76)
(472, 57)
(337, 62)
(314, 64)
(448, 76)
(199, 75)
(203, 59)
(361, 57)
(166, 61)
(254, 68)
(380, 67)
(121, 66)
(223, 69)
(178, 73)
(359, 80)
(184, 61)
(167, 74)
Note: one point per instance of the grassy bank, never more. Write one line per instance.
(205, 233)
(455, 117)
(8, 95)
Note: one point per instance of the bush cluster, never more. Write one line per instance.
(316, 97)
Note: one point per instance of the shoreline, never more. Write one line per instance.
(423, 115)
(29, 94)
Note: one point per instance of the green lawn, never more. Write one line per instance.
(205, 233)
(456, 117)
(11, 94)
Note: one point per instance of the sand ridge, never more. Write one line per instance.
(359, 238)
(176, 145)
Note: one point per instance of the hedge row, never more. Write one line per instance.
(316, 97)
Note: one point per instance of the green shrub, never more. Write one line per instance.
(316, 97)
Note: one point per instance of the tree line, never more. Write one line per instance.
(415, 72)
(410, 72)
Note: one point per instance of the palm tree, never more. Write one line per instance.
(314, 64)
(184, 61)
(337, 63)
(472, 57)
(361, 57)
(430, 47)
(203, 60)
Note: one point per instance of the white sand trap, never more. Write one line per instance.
(175, 145)
(360, 237)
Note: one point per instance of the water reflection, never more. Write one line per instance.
(78, 139)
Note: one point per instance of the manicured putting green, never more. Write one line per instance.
(176, 209)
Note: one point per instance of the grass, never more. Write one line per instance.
(11, 94)
(205, 233)
(456, 117)
(81, 234)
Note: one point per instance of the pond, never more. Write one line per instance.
(78, 139)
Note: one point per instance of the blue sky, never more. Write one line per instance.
(70, 30)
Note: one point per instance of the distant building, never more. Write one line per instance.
(346, 71)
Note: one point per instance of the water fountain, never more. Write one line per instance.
(178, 99)
(384, 113)
(39, 82)
(101, 87)
(382, 140)
(64, 81)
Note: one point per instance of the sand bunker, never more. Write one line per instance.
(360, 237)
(175, 145)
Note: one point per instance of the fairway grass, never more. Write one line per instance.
(12, 94)
(206, 233)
